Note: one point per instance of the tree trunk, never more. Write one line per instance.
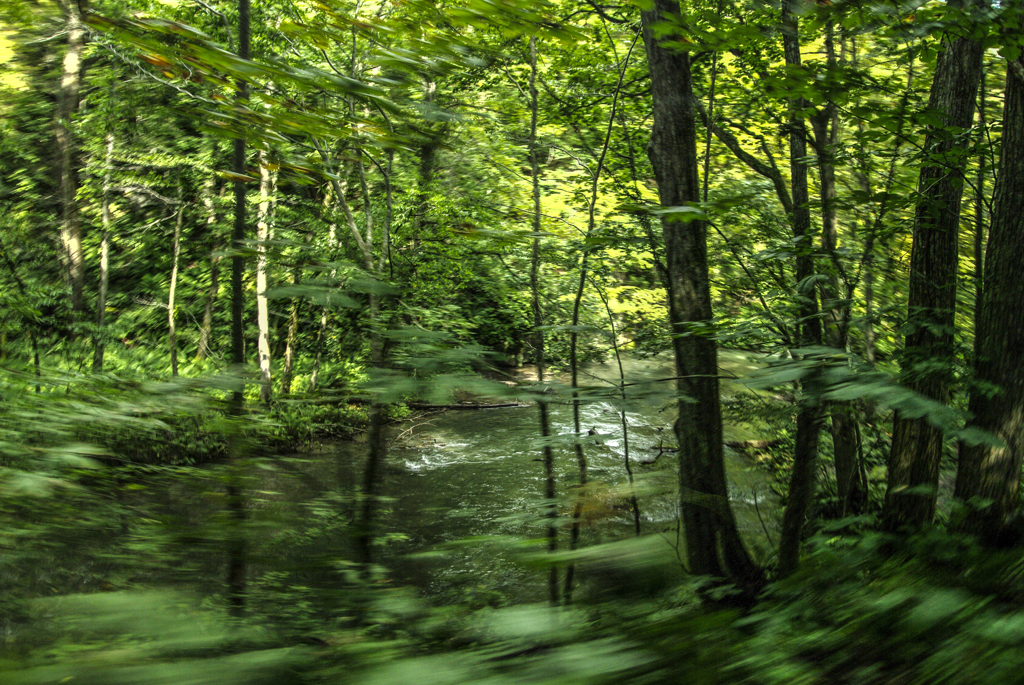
(292, 340)
(711, 532)
(172, 333)
(100, 341)
(31, 324)
(262, 312)
(67, 106)
(808, 419)
(581, 459)
(551, 511)
(986, 471)
(427, 164)
(979, 211)
(237, 548)
(211, 296)
(845, 447)
(929, 356)
(623, 421)
(211, 221)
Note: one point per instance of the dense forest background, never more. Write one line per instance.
(230, 233)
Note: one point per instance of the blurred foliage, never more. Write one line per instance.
(115, 516)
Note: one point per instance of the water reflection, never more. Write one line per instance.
(475, 475)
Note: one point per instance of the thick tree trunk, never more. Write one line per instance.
(100, 341)
(67, 106)
(929, 357)
(172, 332)
(711, 533)
(985, 471)
(262, 311)
(808, 420)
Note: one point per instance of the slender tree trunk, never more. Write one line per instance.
(100, 341)
(710, 528)
(551, 511)
(30, 325)
(321, 331)
(868, 261)
(267, 185)
(427, 164)
(291, 341)
(378, 359)
(875, 224)
(986, 471)
(67, 106)
(211, 221)
(237, 544)
(634, 504)
(979, 211)
(172, 333)
(581, 460)
(376, 438)
(211, 296)
(808, 418)
(929, 357)
(845, 448)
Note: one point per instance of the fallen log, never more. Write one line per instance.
(443, 407)
(751, 444)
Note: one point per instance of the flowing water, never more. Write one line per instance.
(462, 490)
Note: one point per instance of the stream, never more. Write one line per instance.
(462, 490)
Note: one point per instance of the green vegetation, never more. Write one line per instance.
(249, 251)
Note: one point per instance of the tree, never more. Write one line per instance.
(172, 327)
(928, 359)
(538, 322)
(267, 188)
(988, 475)
(710, 529)
(67, 170)
(808, 419)
(237, 552)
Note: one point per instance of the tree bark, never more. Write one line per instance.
(100, 341)
(211, 221)
(711, 534)
(979, 211)
(67, 106)
(551, 512)
(267, 184)
(237, 548)
(985, 471)
(581, 459)
(929, 358)
(291, 341)
(172, 332)
(808, 419)
(845, 447)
